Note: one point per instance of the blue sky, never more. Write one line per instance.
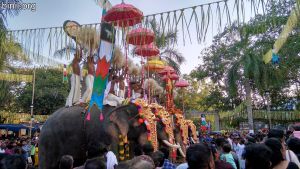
(51, 13)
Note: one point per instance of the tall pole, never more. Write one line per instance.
(269, 109)
(31, 106)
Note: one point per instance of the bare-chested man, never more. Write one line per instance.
(89, 80)
(74, 95)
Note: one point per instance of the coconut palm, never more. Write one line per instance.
(165, 41)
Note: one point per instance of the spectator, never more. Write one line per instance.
(278, 153)
(294, 145)
(288, 154)
(66, 162)
(95, 163)
(142, 162)
(257, 156)
(13, 162)
(227, 156)
(166, 164)
(111, 160)
(94, 150)
(2, 147)
(147, 149)
(158, 158)
(199, 156)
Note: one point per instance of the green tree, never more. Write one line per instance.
(234, 60)
(163, 41)
(50, 92)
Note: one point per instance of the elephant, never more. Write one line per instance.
(68, 132)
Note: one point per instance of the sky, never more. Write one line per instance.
(51, 13)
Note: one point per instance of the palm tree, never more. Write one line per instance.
(164, 41)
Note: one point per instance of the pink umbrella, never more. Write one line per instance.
(172, 77)
(140, 36)
(166, 70)
(147, 50)
(182, 83)
(123, 15)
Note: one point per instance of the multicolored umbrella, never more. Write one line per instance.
(140, 36)
(182, 83)
(147, 50)
(123, 15)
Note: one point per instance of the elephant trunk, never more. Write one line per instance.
(171, 145)
(180, 151)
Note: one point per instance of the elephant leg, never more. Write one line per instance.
(113, 131)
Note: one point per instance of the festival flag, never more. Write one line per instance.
(105, 54)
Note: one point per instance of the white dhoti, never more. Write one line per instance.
(89, 81)
(112, 100)
(122, 94)
(74, 95)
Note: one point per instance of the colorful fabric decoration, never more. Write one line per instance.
(105, 52)
(275, 58)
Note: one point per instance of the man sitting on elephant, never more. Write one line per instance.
(110, 97)
(74, 95)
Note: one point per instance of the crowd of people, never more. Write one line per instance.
(274, 149)
(18, 152)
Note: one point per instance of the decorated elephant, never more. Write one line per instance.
(68, 132)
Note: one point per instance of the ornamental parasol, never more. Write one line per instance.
(166, 70)
(147, 50)
(182, 83)
(123, 15)
(154, 65)
(173, 76)
(140, 36)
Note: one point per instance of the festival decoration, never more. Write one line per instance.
(173, 76)
(147, 50)
(123, 15)
(275, 58)
(181, 83)
(197, 19)
(193, 128)
(288, 28)
(166, 70)
(140, 36)
(154, 65)
(149, 120)
(15, 77)
(105, 53)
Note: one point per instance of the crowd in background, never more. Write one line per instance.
(274, 149)
(18, 152)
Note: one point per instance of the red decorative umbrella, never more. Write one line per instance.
(166, 70)
(182, 83)
(147, 50)
(123, 15)
(140, 36)
(172, 77)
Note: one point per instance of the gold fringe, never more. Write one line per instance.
(15, 77)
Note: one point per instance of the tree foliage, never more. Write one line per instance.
(235, 58)
(50, 92)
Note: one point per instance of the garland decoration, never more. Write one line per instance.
(149, 119)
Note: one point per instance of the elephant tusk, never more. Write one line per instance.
(180, 151)
(171, 145)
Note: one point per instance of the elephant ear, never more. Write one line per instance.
(120, 122)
